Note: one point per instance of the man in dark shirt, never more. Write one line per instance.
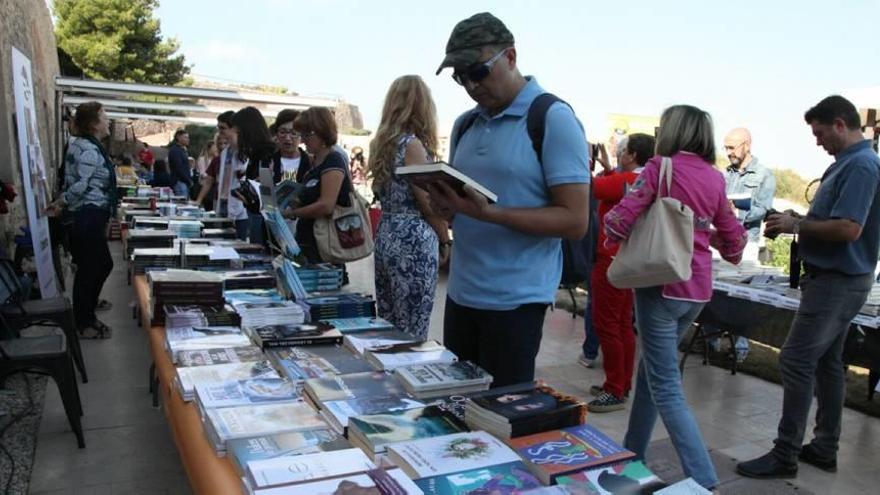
(178, 164)
(839, 242)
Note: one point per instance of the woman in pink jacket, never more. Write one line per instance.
(664, 313)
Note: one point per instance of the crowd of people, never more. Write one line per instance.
(506, 263)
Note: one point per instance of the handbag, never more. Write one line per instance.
(346, 234)
(661, 244)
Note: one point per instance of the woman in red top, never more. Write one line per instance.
(612, 307)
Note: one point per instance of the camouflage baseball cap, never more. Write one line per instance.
(470, 35)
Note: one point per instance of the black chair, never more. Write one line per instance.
(45, 355)
(21, 313)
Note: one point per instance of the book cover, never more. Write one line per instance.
(403, 425)
(265, 419)
(525, 400)
(443, 172)
(338, 412)
(511, 478)
(286, 335)
(686, 486)
(354, 385)
(243, 450)
(569, 450)
(360, 341)
(306, 467)
(188, 378)
(360, 324)
(443, 375)
(207, 357)
(450, 454)
(245, 392)
(373, 482)
(189, 333)
(620, 478)
(389, 357)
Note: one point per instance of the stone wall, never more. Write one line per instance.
(27, 26)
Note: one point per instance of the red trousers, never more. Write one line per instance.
(612, 320)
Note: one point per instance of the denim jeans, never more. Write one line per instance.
(181, 189)
(661, 323)
(812, 358)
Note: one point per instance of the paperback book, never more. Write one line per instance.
(338, 412)
(245, 393)
(282, 471)
(374, 432)
(373, 482)
(361, 324)
(623, 478)
(288, 334)
(510, 478)
(394, 356)
(230, 423)
(431, 173)
(443, 379)
(450, 454)
(360, 341)
(187, 378)
(317, 361)
(570, 450)
(243, 450)
(226, 355)
(522, 409)
(352, 386)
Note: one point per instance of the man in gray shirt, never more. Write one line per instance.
(839, 243)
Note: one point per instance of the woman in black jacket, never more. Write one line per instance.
(256, 147)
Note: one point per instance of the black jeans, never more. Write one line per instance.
(504, 343)
(88, 246)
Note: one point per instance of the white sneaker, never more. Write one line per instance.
(586, 362)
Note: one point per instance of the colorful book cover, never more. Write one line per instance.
(511, 478)
(354, 385)
(569, 450)
(404, 425)
(622, 477)
(340, 411)
(206, 357)
(245, 392)
(450, 454)
(243, 450)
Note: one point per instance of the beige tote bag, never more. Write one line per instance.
(346, 235)
(661, 244)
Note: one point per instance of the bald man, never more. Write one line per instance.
(750, 183)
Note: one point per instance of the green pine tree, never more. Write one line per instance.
(118, 40)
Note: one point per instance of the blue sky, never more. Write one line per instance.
(758, 64)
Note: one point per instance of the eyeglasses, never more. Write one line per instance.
(289, 132)
(477, 73)
(306, 134)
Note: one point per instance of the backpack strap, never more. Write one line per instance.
(536, 121)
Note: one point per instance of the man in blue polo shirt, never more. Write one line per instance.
(507, 259)
(839, 241)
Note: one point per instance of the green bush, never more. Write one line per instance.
(779, 249)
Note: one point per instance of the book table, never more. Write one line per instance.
(208, 474)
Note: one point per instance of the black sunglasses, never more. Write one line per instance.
(477, 72)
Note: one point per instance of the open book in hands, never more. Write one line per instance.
(428, 173)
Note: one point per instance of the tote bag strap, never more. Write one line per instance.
(665, 173)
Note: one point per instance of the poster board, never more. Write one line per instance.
(33, 173)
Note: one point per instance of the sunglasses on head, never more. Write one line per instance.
(478, 71)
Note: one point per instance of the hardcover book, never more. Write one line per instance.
(286, 335)
(560, 452)
(511, 478)
(431, 173)
(245, 392)
(207, 357)
(450, 454)
(243, 450)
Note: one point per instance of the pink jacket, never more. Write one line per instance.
(700, 186)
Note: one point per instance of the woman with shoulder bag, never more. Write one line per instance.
(255, 148)
(326, 182)
(90, 196)
(664, 313)
(411, 241)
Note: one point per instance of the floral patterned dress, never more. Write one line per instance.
(406, 256)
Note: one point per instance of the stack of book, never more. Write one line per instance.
(258, 314)
(338, 414)
(186, 229)
(318, 391)
(179, 316)
(248, 279)
(359, 342)
(181, 339)
(145, 238)
(244, 450)
(522, 409)
(341, 306)
(149, 220)
(320, 277)
(253, 296)
(281, 234)
(247, 392)
(290, 334)
(183, 287)
(425, 381)
(217, 223)
(188, 378)
(230, 423)
(317, 361)
(255, 261)
(394, 356)
(551, 454)
(375, 432)
(361, 324)
(218, 233)
(218, 355)
(144, 258)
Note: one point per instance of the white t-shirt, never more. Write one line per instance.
(235, 208)
(289, 166)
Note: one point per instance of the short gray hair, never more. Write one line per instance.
(686, 128)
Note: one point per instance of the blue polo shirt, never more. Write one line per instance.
(850, 189)
(495, 267)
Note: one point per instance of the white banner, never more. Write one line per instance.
(33, 172)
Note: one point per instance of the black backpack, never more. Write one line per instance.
(577, 254)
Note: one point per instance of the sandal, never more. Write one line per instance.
(103, 305)
(97, 330)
